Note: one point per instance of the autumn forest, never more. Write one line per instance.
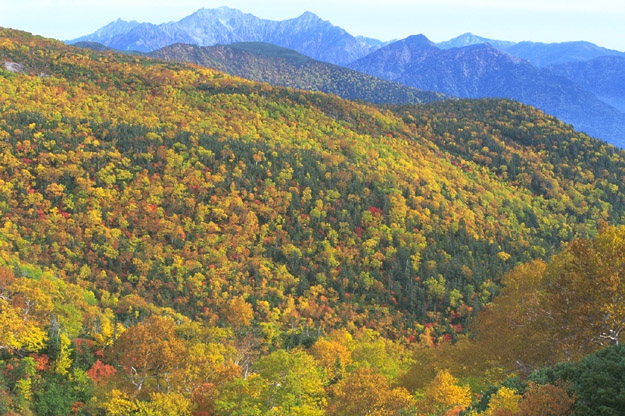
(178, 241)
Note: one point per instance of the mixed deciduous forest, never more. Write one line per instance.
(177, 241)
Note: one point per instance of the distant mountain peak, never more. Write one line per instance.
(483, 70)
(487, 48)
(310, 15)
(120, 22)
(309, 19)
(308, 34)
(226, 9)
(420, 37)
(218, 10)
(544, 54)
(117, 27)
(222, 12)
(419, 40)
(468, 39)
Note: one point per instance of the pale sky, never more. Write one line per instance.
(598, 21)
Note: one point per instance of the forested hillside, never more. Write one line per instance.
(280, 66)
(176, 238)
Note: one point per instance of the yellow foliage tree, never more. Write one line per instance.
(64, 360)
(365, 392)
(444, 395)
(504, 402)
(238, 312)
(165, 404)
(118, 403)
(24, 310)
(16, 332)
(151, 351)
(332, 356)
(547, 400)
(586, 284)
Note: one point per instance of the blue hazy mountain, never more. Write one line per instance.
(466, 66)
(604, 76)
(543, 54)
(468, 39)
(307, 34)
(481, 70)
(537, 53)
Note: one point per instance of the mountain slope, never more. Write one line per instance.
(307, 34)
(188, 187)
(537, 53)
(374, 43)
(95, 46)
(109, 32)
(392, 61)
(483, 71)
(604, 76)
(280, 66)
(174, 239)
(544, 54)
(468, 39)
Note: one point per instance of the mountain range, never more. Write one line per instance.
(537, 53)
(280, 66)
(481, 70)
(579, 82)
(307, 34)
(544, 54)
